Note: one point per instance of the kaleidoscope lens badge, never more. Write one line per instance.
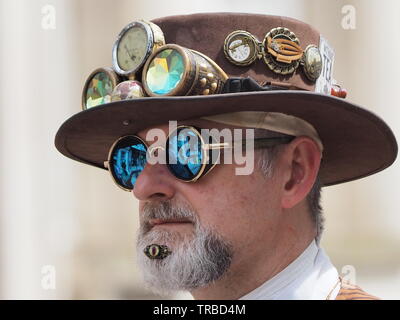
(98, 87)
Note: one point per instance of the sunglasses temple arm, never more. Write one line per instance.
(270, 142)
(213, 146)
(258, 143)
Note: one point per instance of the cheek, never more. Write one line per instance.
(242, 209)
(235, 206)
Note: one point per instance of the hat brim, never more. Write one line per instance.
(357, 143)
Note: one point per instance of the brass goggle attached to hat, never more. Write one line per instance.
(280, 51)
(143, 65)
(140, 52)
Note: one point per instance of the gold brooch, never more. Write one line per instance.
(312, 62)
(280, 50)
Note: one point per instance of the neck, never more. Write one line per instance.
(250, 273)
(245, 276)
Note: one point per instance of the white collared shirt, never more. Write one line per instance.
(310, 277)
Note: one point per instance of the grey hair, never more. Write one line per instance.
(266, 163)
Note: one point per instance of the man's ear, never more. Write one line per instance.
(301, 162)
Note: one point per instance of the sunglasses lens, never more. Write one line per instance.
(165, 72)
(184, 149)
(128, 160)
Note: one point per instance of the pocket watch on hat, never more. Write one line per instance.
(241, 48)
(135, 43)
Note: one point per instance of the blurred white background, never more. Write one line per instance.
(60, 213)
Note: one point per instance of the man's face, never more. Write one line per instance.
(214, 225)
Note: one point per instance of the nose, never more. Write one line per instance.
(155, 182)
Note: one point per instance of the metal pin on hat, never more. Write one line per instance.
(157, 251)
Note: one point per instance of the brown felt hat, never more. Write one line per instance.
(356, 142)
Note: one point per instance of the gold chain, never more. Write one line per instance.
(334, 287)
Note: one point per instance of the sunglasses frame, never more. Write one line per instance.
(259, 143)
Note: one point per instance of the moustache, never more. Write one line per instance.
(165, 210)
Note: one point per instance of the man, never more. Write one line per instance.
(208, 227)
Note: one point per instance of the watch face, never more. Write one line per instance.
(239, 51)
(132, 48)
(241, 48)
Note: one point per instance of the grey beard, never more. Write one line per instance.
(196, 260)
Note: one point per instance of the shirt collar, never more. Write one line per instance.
(310, 276)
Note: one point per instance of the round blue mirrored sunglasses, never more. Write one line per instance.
(187, 155)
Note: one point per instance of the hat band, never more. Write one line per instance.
(274, 121)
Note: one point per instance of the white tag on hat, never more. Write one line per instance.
(324, 82)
